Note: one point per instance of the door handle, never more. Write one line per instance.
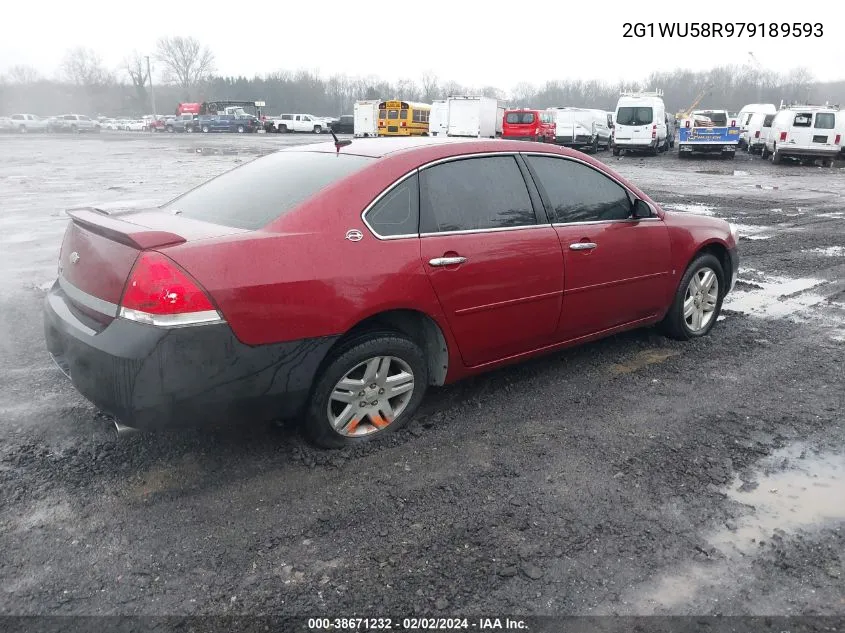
(447, 261)
(582, 246)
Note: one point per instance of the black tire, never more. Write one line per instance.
(777, 157)
(205, 129)
(349, 354)
(764, 152)
(728, 155)
(318, 129)
(616, 151)
(240, 129)
(674, 325)
(170, 129)
(594, 149)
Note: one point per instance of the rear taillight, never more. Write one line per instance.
(404, 124)
(838, 138)
(783, 136)
(757, 134)
(733, 123)
(687, 124)
(159, 292)
(654, 131)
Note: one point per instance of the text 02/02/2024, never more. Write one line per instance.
(722, 29)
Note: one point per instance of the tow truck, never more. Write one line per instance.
(708, 132)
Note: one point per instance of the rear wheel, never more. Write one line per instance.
(240, 129)
(616, 151)
(205, 129)
(777, 157)
(318, 129)
(698, 300)
(372, 386)
(281, 129)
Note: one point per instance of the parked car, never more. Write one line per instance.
(29, 123)
(183, 123)
(753, 112)
(75, 123)
(345, 124)
(159, 123)
(756, 131)
(438, 260)
(299, 123)
(228, 123)
(806, 133)
(137, 125)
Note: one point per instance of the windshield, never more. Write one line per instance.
(523, 118)
(634, 115)
(250, 196)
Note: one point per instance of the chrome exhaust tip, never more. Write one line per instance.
(121, 430)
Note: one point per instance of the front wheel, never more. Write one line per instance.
(616, 151)
(371, 387)
(240, 129)
(698, 300)
(318, 129)
(205, 129)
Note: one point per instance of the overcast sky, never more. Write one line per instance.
(474, 42)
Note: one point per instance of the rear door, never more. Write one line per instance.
(634, 123)
(824, 129)
(802, 129)
(492, 258)
(617, 268)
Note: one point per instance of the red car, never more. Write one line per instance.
(529, 125)
(336, 283)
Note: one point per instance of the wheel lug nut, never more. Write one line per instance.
(361, 394)
(374, 402)
(362, 404)
(373, 386)
(380, 391)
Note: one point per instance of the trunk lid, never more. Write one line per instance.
(99, 250)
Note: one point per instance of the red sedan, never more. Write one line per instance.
(336, 283)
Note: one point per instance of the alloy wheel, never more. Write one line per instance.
(369, 397)
(700, 299)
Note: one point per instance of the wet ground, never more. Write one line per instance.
(636, 475)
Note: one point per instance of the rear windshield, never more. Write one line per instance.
(251, 196)
(719, 119)
(631, 115)
(524, 118)
(825, 121)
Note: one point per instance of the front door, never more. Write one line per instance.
(496, 269)
(617, 268)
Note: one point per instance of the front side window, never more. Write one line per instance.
(474, 194)
(398, 212)
(579, 193)
(825, 121)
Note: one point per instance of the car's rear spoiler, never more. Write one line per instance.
(121, 231)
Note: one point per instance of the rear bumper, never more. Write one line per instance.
(707, 148)
(579, 140)
(808, 150)
(634, 144)
(155, 378)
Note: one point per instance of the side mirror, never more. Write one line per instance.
(642, 209)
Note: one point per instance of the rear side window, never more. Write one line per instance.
(579, 193)
(250, 196)
(523, 118)
(474, 194)
(398, 212)
(767, 122)
(825, 121)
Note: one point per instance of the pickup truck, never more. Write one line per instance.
(29, 123)
(300, 123)
(182, 123)
(228, 123)
(74, 123)
(709, 132)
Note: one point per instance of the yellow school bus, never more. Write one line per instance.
(403, 118)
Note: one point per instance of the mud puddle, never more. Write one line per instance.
(773, 297)
(229, 151)
(694, 208)
(791, 491)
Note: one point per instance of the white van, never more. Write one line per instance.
(438, 118)
(581, 128)
(744, 118)
(757, 129)
(474, 116)
(640, 123)
(806, 133)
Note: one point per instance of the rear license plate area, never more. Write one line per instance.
(820, 139)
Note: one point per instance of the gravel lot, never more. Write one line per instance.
(636, 475)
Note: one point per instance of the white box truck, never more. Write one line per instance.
(365, 121)
(479, 117)
(438, 118)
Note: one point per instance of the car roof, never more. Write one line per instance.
(451, 146)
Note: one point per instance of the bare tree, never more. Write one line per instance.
(83, 67)
(22, 74)
(186, 61)
(522, 93)
(430, 90)
(136, 67)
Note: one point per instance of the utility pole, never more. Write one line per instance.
(759, 67)
(152, 92)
